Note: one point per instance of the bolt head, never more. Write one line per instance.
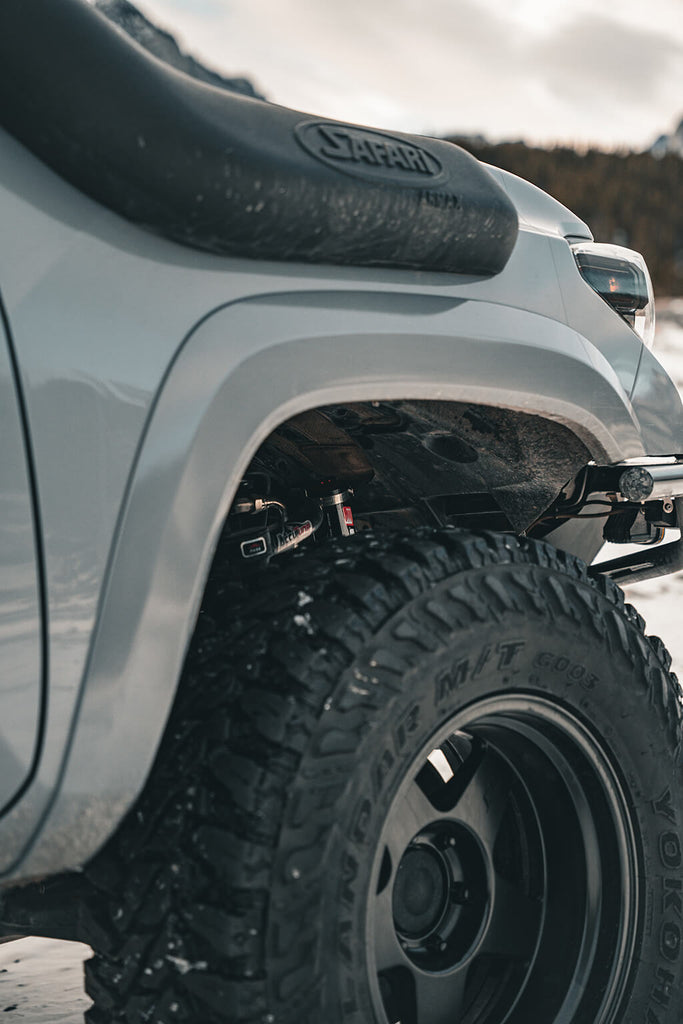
(460, 892)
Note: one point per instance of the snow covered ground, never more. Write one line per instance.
(41, 980)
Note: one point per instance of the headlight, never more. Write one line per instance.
(621, 278)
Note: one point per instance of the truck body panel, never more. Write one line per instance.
(159, 370)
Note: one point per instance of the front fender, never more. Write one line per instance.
(244, 370)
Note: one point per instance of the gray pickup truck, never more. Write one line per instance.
(313, 706)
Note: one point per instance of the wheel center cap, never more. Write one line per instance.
(421, 892)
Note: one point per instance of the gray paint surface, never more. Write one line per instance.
(151, 373)
(20, 622)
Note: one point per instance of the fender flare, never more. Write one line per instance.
(244, 370)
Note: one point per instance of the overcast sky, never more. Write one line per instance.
(544, 70)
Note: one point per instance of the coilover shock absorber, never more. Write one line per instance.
(338, 513)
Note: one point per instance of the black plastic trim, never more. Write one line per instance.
(650, 564)
(234, 175)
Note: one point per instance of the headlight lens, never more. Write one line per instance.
(620, 277)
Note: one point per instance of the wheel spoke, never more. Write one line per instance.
(440, 997)
(484, 800)
(514, 924)
(416, 812)
(388, 951)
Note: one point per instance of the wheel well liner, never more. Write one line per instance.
(409, 451)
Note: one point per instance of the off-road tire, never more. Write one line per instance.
(253, 880)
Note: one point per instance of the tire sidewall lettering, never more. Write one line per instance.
(563, 666)
(665, 903)
(499, 659)
(670, 850)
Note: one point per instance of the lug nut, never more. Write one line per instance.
(460, 893)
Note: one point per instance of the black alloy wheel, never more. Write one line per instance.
(507, 874)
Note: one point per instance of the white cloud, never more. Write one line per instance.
(541, 69)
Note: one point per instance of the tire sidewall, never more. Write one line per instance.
(425, 667)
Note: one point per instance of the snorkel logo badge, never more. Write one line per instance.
(368, 154)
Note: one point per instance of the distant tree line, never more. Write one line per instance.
(632, 199)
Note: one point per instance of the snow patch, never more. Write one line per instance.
(184, 966)
(304, 622)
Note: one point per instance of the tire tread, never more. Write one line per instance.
(182, 938)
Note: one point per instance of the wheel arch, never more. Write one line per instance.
(244, 371)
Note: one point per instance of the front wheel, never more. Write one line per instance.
(429, 780)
